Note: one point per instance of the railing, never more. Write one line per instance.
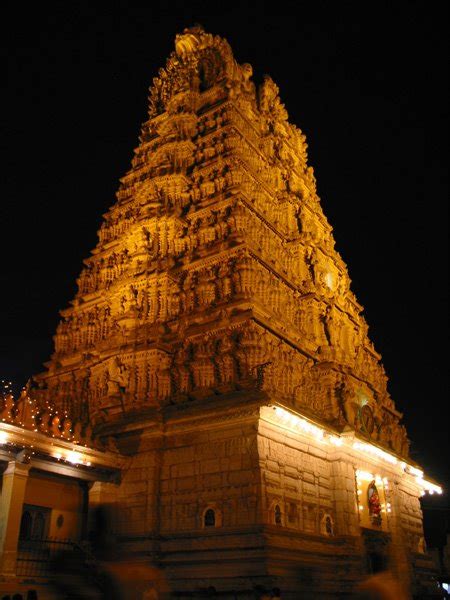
(36, 557)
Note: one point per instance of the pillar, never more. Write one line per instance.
(11, 505)
(347, 517)
(105, 495)
(399, 554)
(344, 492)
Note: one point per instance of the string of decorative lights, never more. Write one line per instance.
(364, 449)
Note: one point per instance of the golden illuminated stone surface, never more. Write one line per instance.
(216, 267)
(216, 342)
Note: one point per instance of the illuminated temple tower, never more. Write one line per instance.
(215, 341)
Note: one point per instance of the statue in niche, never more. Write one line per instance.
(224, 281)
(117, 378)
(202, 365)
(163, 382)
(206, 291)
(373, 501)
(181, 372)
(332, 325)
(225, 360)
(367, 419)
(377, 417)
(174, 304)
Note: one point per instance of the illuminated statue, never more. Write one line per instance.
(374, 503)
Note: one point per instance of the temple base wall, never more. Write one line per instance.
(229, 499)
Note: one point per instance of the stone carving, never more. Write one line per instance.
(117, 377)
(217, 256)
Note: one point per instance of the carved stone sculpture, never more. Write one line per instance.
(218, 251)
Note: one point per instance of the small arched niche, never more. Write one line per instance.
(277, 513)
(211, 517)
(327, 525)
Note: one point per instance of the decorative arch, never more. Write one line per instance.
(327, 525)
(276, 513)
(211, 517)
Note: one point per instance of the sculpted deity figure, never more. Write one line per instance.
(271, 105)
(206, 289)
(174, 303)
(202, 365)
(117, 378)
(225, 360)
(241, 85)
(332, 323)
(181, 373)
(349, 406)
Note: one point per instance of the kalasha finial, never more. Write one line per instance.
(189, 41)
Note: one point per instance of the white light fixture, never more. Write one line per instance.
(74, 458)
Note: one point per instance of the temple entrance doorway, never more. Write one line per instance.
(376, 548)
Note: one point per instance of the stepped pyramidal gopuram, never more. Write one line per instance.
(215, 346)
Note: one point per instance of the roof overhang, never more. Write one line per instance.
(58, 456)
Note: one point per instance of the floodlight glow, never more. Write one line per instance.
(375, 452)
(74, 458)
(369, 450)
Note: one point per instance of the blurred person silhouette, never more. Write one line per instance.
(105, 572)
(381, 584)
(83, 573)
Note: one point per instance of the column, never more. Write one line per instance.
(347, 525)
(399, 554)
(11, 505)
(344, 492)
(105, 495)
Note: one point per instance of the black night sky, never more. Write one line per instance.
(367, 84)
